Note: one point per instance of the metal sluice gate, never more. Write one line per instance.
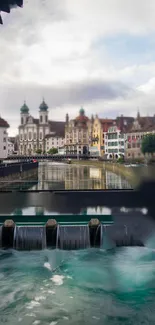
(130, 222)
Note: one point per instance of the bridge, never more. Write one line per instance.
(56, 157)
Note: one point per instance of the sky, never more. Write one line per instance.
(99, 55)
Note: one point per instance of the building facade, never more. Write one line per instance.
(54, 141)
(10, 148)
(100, 127)
(140, 127)
(33, 131)
(3, 138)
(78, 134)
(114, 143)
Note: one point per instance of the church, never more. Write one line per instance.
(35, 133)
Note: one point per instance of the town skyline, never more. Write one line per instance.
(14, 131)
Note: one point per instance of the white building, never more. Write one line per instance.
(3, 138)
(54, 141)
(114, 143)
(33, 131)
(11, 148)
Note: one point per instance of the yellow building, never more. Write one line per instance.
(100, 127)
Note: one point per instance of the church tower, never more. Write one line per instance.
(24, 112)
(43, 113)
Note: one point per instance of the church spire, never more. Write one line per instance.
(138, 114)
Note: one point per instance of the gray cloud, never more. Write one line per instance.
(67, 95)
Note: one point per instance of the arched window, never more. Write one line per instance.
(46, 119)
(41, 118)
(22, 120)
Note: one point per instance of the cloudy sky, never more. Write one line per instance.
(96, 54)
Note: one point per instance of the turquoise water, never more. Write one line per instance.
(80, 287)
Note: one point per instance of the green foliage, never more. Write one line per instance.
(120, 160)
(53, 151)
(38, 151)
(148, 144)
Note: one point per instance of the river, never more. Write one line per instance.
(91, 286)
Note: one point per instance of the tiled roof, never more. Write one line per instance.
(35, 120)
(146, 123)
(106, 123)
(3, 123)
(82, 118)
(58, 127)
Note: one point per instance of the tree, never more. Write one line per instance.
(148, 144)
(39, 151)
(53, 151)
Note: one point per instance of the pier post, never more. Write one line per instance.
(95, 232)
(51, 233)
(8, 234)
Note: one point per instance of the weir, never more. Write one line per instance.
(127, 226)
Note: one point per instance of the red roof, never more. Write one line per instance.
(106, 123)
(82, 118)
(3, 123)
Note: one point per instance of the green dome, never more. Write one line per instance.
(82, 112)
(43, 106)
(24, 109)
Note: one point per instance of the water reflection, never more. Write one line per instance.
(60, 176)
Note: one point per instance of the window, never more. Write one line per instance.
(4, 148)
(22, 120)
(21, 137)
(4, 140)
(40, 136)
(30, 135)
(4, 132)
(34, 136)
(41, 118)
(46, 118)
(25, 136)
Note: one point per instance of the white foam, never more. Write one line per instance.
(94, 317)
(36, 322)
(57, 279)
(65, 317)
(53, 323)
(71, 297)
(31, 315)
(33, 304)
(40, 298)
(51, 291)
(48, 266)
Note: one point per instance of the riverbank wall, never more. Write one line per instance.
(16, 171)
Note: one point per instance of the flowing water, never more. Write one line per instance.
(73, 237)
(92, 286)
(29, 238)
